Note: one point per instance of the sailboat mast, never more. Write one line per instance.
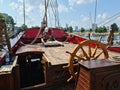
(24, 10)
(45, 17)
(56, 14)
(95, 12)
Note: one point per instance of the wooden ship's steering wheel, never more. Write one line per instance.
(86, 50)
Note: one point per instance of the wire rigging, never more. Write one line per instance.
(54, 7)
(109, 19)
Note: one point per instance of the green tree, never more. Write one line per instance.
(10, 21)
(91, 30)
(116, 29)
(24, 27)
(1, 15)
(69, 29)
(101, 29)
(35, 27)
(82, 29)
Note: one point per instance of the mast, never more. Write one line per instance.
(95, 12)
(57, 14)
(24, 11)
(45, 17)
(95, 25)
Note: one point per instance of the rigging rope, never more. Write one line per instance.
(39, 32)
(45, 18)
(109, 19)
(55, 11)
(50, 19)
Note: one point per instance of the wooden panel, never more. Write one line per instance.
(16, 77)
(29, 49)
(109, 78)
(6, 81)
(54, 74)
(10, 80)
(92, 64)
(83, 79)
(1, 32)
(99, 75)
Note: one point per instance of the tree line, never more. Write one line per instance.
(11, 23)
(101, 29)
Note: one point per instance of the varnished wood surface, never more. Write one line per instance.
(29, 49)
(98, 63)
(101, 62)
(58, 55)
(102, 74)
(54, 55)
(10, 80)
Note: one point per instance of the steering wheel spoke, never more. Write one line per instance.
(85, 54)
(80, 57)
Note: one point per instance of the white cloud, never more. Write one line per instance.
(118, 18)
(29, 9)
(73, 23)
(62, 8)
(19, 8)
(84, 18)
(20, 1)
(36, 3)
(73, 2)
(102, 19)
(102, 16)
(16, 6)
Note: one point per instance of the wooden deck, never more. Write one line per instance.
(58, 55)
(54, 76)
(89, 70)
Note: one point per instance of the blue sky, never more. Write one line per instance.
(79, 13)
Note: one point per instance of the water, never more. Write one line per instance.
(104, 38)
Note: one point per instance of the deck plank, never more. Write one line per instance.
(58, 55)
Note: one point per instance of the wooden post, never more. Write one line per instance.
(1, 32)
(3, 28)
